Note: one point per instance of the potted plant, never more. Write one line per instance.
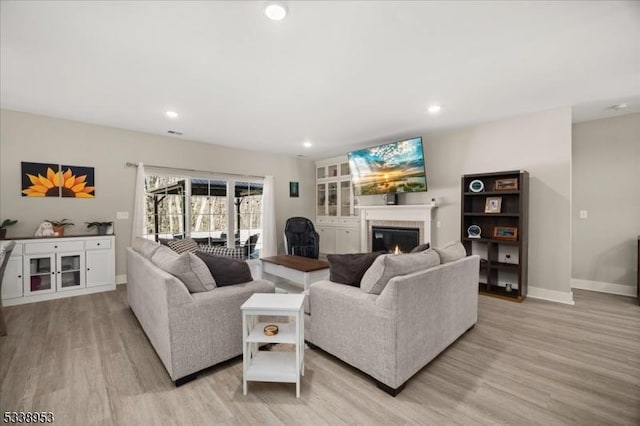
(59, 225)
(4, 225)
(102, 227)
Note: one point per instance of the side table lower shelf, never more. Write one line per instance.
(267, 366)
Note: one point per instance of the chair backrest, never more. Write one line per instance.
(301, 237)
(6, 247)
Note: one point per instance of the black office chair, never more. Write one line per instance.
(301, 238)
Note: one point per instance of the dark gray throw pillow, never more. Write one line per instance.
(349, 268)
(226, 270)
(421, 247)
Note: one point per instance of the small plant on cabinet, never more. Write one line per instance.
(102, 227)
(59, 225)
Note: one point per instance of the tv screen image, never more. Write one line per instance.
(395, 167)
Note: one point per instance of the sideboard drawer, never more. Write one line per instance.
(98, 244)
(53, 246)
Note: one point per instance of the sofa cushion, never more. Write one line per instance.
(234, 252)
(163, 255)
(192, 271)
(349, 268)
(183, 246)
(451, 251)
(145, 247)
(226, 270)
(388, 266)
(421, 247)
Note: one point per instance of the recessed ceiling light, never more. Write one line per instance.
(434, 109)
(618, 107)
(172, 114)
(275, 10)
(307, 144)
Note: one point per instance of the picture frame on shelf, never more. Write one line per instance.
(510, 184)
(493, 205)
(509, 233)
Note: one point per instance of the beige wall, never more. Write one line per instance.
(34, 138)
(539, 143)
(606, 183)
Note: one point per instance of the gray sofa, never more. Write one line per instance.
(391, 336)
(189, 331)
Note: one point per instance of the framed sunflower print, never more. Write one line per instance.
(53, 180)
(77, 181)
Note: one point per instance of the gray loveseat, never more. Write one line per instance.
(392, 335)
(189, 331)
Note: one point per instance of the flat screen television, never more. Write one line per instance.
(390, 168)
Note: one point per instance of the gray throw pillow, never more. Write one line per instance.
(421, 247)
(163, 255)
(145, 247)
(451, 252)
(388, 266)
(183, 246)
(226, 270)
(192, 271)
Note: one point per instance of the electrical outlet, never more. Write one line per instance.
(439, 224)
(122, 215)
(583, 214)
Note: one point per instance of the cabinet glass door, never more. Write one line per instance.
(344, 169)
(345, 198)
(333, 170)
(70, 271)
(321, 172)
(40, 275)
(321, 198)
(333, 199)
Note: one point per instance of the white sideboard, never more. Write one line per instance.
(51, 268)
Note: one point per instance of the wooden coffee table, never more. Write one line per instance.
(298, 269)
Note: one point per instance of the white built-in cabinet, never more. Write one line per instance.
(51, 268)
(337, 222)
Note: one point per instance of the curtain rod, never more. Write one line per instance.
(131, 164)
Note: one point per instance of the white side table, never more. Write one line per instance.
(268, 366)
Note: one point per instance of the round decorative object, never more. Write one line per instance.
(476, 186)
(270, 330)
(474, 231)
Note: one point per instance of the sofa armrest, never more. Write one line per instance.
(211, 325)
(434, 307)
(346, 322)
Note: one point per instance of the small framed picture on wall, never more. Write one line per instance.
(294, 190)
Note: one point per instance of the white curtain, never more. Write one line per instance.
(138, 227)
(270, 240)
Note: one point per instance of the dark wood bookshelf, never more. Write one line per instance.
(503, 261)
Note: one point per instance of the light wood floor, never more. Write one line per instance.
(537, 363)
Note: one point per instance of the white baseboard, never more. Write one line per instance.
(551, 295)
(121, 279)
(603, 287)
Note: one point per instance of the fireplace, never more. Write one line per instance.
(387, 238)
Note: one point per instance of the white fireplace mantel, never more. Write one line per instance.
(403, 212)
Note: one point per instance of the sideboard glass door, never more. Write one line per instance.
(40, 274)
(70, 268)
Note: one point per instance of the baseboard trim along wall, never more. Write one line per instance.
(603, 287)
(121, 279)
(551, 295)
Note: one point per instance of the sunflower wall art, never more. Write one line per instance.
(55, 180)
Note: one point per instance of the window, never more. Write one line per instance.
(213, 208)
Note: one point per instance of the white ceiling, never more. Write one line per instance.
(340, 74)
